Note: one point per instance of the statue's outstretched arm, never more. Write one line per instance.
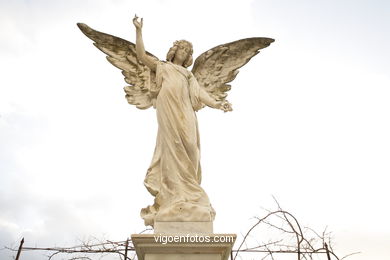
(206, 99)
(140, 49)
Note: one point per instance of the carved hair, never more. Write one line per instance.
(182, 43)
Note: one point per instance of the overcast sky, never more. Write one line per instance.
(310, 125)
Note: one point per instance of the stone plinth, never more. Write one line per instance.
(183, 247)
(183, 228)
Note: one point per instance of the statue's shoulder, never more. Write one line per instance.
(163, 64)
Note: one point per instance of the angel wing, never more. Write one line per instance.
(122, 54)
(218, 66)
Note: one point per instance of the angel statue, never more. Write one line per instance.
(174, 175)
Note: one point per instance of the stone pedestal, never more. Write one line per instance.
(183, 228)
(183, 247)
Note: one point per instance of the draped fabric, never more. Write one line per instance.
(174, 175)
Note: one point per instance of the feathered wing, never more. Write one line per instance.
(218, 66)
(122, 54)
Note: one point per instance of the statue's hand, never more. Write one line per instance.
(226, 106)
(137, 24)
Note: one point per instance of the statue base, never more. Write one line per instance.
(183, 228)
(179, 247)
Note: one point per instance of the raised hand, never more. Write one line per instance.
(138, 24)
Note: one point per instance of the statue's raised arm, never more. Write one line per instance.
(141, 54)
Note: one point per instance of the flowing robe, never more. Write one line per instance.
(174, 175)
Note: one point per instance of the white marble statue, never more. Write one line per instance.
(174, 176)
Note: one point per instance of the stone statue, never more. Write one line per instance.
(176, 93)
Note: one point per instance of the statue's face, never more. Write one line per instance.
(182, 53)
